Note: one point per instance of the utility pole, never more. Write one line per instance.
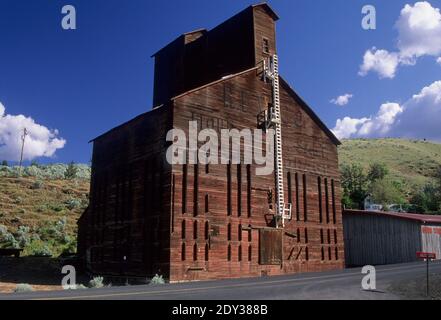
(23, 138)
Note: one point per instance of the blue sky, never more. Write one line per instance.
(84, 82)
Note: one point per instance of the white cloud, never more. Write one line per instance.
(342, 100)
(419, 31)
(347, 127)
(438, 60)
(375, 126)
(419, 34)
(40, 141)
(418, 118)
(381, 124)
(422, 115)
(381, 61)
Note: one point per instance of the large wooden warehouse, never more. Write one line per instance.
(195, 222)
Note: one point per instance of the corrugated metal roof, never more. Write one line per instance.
(424, 218)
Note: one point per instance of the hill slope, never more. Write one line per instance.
(411, 161)
(39, 213)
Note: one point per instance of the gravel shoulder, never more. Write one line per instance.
(416, 289)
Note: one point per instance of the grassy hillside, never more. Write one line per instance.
(410, 161)
(39, 213)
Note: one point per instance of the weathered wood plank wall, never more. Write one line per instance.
(376, 240)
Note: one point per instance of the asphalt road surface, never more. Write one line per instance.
(338, 285)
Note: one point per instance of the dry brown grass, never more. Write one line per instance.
(23, 205)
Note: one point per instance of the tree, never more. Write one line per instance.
(385, 192)
(427, 199)
(438, 179)
(4, 163)
(71, 171)
(355, 186)
(377, 171)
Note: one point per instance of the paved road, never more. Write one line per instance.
(345, 284)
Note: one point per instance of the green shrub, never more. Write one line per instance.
(96, 282)
(38, 248)
(50, 171)
(23, 237)
(56, 207)
(72, 204)
(33, 171)
(41, 208)
(157, 279)
(7, 239)
(38, 184)
(70, 246)
(18, 200)
(23, 287)
(71, 171)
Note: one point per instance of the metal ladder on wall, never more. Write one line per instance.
(273, 119)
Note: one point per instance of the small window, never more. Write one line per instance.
(207, 230)
(265, 45)
(195, 252)
(183, 252)
(183, 229)
(207, 252)
(195, 230)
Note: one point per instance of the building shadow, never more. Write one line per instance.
(36, 270)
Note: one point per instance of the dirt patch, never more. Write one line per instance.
(6, 287)
(416, 289)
